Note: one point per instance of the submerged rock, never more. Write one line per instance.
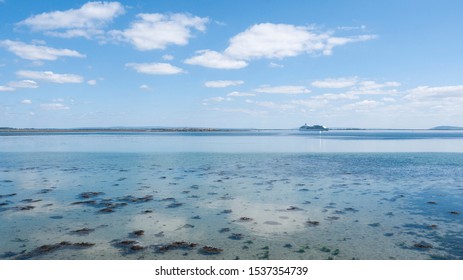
(422, 245)
(236, 236)
(46, 249)
(7, 195)
(223, 230)
(177, 245)
(129, 198)
(138, 232)
(312, 223)
(128, 246)
(208, 250)
(82, 231)
(174, 205)
(24, 208)
(106, 210)
(87, 195)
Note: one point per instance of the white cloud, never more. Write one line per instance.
(6, 88)
(335, 83)
(241, 111)
(26, 101)
(334, 96)
(223, 83)
(275, 65)
(283, 89)
(146, 87)
(50, 76)
(37, 52)
(388, 99)
(310, 103)
(339, 41)
(213, 59)
(86, 21)
(217, 99)
(155, 68)
(157, 31)
(54, 106)
(271, 105)
(363, 105)
(268, 40)
(240, 94)
(168, 57)
(426, 92)
(372, 85)
(23, 84)
(91, 82)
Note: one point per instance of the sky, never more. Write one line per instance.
(231, 64)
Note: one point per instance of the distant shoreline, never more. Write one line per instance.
(191, 129)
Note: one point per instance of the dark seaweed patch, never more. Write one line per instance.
(177, 245)
(223, 230)
(87, 195)
(46, 249)
(82, 231)
(236, 236)
(133, 199)
(174, 205)
(208, 250)
(138, 233)
(128, 246)
(312, 223)
(7, 195)
(422, 245)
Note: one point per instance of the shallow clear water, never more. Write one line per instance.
(282, 195)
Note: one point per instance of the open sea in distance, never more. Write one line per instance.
(260, 194)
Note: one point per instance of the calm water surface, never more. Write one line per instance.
(246, 195)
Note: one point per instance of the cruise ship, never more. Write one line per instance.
(316, 127)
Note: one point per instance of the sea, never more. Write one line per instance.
(249, 195)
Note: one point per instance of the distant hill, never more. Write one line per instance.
(445, 127)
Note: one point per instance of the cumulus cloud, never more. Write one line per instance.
(54, 106)
(23, 84)
(26, 101)
(426, 92)
(222, 83)
(334, 96)
(6, 88)
(335, 83)
(268, 40)
(213, 59)
(155, 68)
(216, 99)
(168, 57)
(37, 52)
(240, 94)
(157, 31)
(363, 105)
(275, 65)
(50, 76)
(85, 21)
(145, 87)
(271, 105)
(91, 82)
(283, 89)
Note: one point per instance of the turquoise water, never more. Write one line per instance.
(250, 195)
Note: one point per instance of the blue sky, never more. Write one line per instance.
(237, 64)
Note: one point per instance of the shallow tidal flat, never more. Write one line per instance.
(231, 206)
